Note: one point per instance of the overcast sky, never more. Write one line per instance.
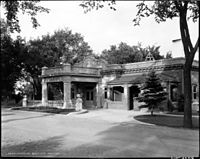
(106, 27)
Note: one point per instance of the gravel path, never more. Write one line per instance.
(100, 133)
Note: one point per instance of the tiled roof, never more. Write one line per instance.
(137, 79)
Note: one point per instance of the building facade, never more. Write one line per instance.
(116, 86)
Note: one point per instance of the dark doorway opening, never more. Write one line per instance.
(87, 90)
(134, 91)
(55, 91)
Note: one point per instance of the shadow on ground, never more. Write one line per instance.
(7, 114)
(129, 140)
(170, 121)
(37, 148)
(10, 120)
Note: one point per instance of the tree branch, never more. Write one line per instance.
(185, 31)
(188, 36)
(185, 5)
(196, 46)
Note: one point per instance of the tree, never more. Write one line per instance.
(129, 54)
(152, 92)
(11, 53)
(12, 8)
(169, 55)
(163, 10)
(71, 47)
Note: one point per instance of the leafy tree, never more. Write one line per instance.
(71, 47)
(11, 53)
(152, 92)
(12, 8)
(163, 10)
(129, 54)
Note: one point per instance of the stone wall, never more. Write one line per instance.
(34, 103)
(57, 103)
(117, 105)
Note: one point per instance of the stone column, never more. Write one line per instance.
(126, 96)
(67, 95)
(44, 93)
(108, 92)
(44, 70)
(169, 90)
(98, 94)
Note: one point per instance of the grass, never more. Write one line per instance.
(46, 109)
(164, 120)
(182, 113)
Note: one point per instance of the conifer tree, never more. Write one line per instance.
(152, 92)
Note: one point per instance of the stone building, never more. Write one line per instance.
(116, 86)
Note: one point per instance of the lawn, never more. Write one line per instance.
(46, 109)
(182, 113)
(164, 120)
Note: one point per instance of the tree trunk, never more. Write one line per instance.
(189, 51)
(187, 96)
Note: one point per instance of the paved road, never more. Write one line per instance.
(100, 133)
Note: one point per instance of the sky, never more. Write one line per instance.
(105, 27)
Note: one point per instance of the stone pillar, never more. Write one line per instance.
(67, 95)
(44, 70)
(126, 96)
(44, 93)
(108, 93)
(98, 95)
(169, 90)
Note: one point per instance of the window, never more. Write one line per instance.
(105, 93)
(194, 92)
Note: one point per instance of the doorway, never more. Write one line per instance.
(87, 90)
(134, 91)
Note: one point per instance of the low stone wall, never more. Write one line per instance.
(34, 103)
(117, 105)
(55, 103)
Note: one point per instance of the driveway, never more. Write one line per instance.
(98, 133)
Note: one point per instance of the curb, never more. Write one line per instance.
(79, 112)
